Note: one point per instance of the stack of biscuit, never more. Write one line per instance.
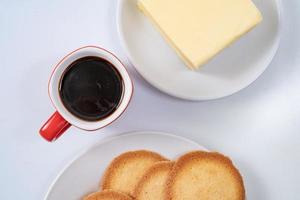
(146, 175)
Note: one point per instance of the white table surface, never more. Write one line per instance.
(258, 127)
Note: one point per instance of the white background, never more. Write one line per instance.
(259, 127)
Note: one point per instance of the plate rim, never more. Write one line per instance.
(108, 139)
(131, 59)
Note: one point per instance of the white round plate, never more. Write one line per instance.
(232, 70)
(83, 174)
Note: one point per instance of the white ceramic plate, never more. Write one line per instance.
(230, 71)
(83, 174)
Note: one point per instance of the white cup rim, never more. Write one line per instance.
(63, 64)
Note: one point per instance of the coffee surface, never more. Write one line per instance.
(91, 88)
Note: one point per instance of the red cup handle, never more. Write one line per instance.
(54, 127)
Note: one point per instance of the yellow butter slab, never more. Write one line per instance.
(200, 29)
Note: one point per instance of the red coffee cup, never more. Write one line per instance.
(62, 118)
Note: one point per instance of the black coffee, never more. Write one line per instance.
(91, 88)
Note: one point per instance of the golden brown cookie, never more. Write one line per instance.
(153, 184)
(107, 195)
(204, 176)
(126, 170)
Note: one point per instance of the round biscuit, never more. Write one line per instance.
(204, 176)
(126, 170)
(153, 184)
(107, 195)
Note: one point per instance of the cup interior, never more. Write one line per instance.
(64, 64)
